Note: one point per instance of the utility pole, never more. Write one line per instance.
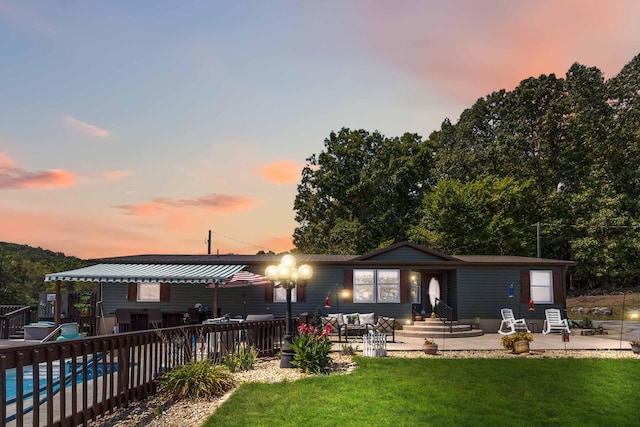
(209, 244)
(538, 250)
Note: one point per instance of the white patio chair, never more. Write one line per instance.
(510, 324)
(554, 322)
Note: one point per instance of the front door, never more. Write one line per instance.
(432, 289)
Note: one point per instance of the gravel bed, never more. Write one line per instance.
(161, 411)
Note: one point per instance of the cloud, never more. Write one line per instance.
(468, 49)
(281, 172)
(85, 128)
(14, 177)
(216, 202)
(116, 175)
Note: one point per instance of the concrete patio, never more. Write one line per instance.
(611, 340)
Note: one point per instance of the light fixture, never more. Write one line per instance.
(287, 276)
(344, 293)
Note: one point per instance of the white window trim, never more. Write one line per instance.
(393, 287)
(364, 279)
(280, 295)
(368, 280)
(415, 287)
(541, 286)
(148, 292)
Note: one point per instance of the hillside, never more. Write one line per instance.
(22, 271)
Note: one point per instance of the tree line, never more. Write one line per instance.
(22, 271)
(561, 152)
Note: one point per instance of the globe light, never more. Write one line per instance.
(289, 260)
(305, 272)
(284, 271)
(271, 273)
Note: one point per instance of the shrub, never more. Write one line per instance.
(201, 379)
(311, 349)
(243, 360)
(509, 340)
(349, 349)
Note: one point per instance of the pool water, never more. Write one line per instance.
(27, 378)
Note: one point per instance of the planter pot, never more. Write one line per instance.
(635, 348)
(430, 348)
(417, 318)
(520, 347)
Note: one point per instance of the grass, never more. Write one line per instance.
(447, 392)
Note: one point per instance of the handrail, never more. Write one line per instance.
(444, 313)
(52, 333)
(11, 321)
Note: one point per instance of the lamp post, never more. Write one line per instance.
(286, 275)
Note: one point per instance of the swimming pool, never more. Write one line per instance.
(28, 380)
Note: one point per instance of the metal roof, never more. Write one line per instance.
(149, 273)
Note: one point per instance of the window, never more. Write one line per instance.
(415, 282)
(280, 294)
(388, 286)
(148, 292)
(364, 286)
(541, 286)
(382, 286)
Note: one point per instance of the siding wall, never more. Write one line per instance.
(482, 292)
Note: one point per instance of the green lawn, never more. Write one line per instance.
(447, 392)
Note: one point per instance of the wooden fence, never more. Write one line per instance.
(85, 378)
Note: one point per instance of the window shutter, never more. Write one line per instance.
(525, 287)
(404, 286)
(557, 287)
(300, 293)
(132, 294)
(268, 293)
(348, 285)
(164, 291)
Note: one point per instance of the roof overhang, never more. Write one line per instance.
(148, 273)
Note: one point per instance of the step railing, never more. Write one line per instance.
(444, 313)
(12, 319)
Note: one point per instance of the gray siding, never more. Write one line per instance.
(482, 292)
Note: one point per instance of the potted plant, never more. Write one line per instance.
(518, 343)
(84, 306)
(416, 315)
(429, 346)
(635, 346)
(476, 323)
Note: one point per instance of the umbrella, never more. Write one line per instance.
(237, 280)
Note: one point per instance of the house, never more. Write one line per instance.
(393, 281)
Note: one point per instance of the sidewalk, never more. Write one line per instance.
(612, 340)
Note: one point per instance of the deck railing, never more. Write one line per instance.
(85, 378)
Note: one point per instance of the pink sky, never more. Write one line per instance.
(125, 132)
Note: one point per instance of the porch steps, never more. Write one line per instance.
(435, 328)
(17, 335)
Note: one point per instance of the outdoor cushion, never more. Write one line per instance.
(339, 317)
(367, 318)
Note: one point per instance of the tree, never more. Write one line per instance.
(364, 189)
(485, 216)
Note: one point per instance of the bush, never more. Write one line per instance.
(349, 349)
(201, 379)
(311, 349)
(243, 360)
(509, 340)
